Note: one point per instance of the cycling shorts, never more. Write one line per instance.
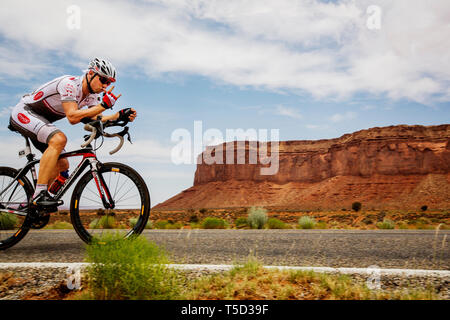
(33, 126)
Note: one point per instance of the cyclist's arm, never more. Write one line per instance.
(74, 115)
(116, 116)
(113, 117)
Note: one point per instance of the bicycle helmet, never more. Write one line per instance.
(104, 68)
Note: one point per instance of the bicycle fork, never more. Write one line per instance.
(102, 188)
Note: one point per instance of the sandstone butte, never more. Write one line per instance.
(396, 167)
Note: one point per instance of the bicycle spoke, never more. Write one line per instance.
(124, 194)
(121, 187)
(133, 196)
(116, 187)
(95, 201)
(93, 192)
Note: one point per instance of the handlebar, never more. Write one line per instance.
(97, 129)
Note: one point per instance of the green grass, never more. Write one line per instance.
(8, 221)
(161, 224)
(251, 281)
(306, 222)
(129, 269)
(241, 222)
(105, 222)
(321, 225)
(175, 225)
(136, 268)
(59, 225)
(133, 221)
(167, 224)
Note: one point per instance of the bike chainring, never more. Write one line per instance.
(40, 222)
(38, 218)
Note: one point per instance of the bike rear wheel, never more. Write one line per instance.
(129, 193)
(14, 197)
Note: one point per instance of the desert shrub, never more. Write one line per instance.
(101, 212)
(321, 225)
(306, 222)
(174, 225)
(424, 208)
(161, 224)
(8, 221)
(213, 223)
(356, 206)
(203, 210)
(257, 217)
(241, 222)
(386, 224)
(194, 225)
(193, 218)
(403, 225)
(129, 269)
(60, 225)
(149, 225)
(273, 223)
(423, 226)
(105, 222)
(133, 221)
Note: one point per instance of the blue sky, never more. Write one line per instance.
(312, 69)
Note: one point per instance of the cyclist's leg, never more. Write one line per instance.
(46, 138)
(49, 166)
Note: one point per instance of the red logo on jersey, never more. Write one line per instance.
(23, 118)
(73, 78)
(38, 95)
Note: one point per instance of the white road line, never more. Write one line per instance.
(225, 267)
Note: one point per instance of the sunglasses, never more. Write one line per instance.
(104, 80)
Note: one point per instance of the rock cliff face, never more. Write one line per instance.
(397, 166)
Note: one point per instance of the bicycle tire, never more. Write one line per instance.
(82, 188)
(10, 237)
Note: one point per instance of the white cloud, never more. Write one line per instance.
(289, 112)
(339, 117)
(5, 112)
(22, 62)
(324, 49)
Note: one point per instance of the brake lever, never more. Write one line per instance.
(113, 123)
(125, 132)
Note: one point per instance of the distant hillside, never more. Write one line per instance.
(389, 167)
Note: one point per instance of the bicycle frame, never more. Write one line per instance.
(89, 159)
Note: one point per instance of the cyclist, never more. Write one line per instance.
(61, 98)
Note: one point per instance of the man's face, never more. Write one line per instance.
(97, 85)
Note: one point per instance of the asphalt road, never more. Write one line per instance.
(410, 249)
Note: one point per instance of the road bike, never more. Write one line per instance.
(107, 196)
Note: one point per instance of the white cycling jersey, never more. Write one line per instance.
(47, 100)
(35, 113)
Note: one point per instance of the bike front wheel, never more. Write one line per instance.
(121, 186)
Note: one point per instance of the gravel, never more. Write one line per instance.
(20, 283)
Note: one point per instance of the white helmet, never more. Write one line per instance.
(104, 68)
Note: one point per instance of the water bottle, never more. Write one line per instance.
(59, 182)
